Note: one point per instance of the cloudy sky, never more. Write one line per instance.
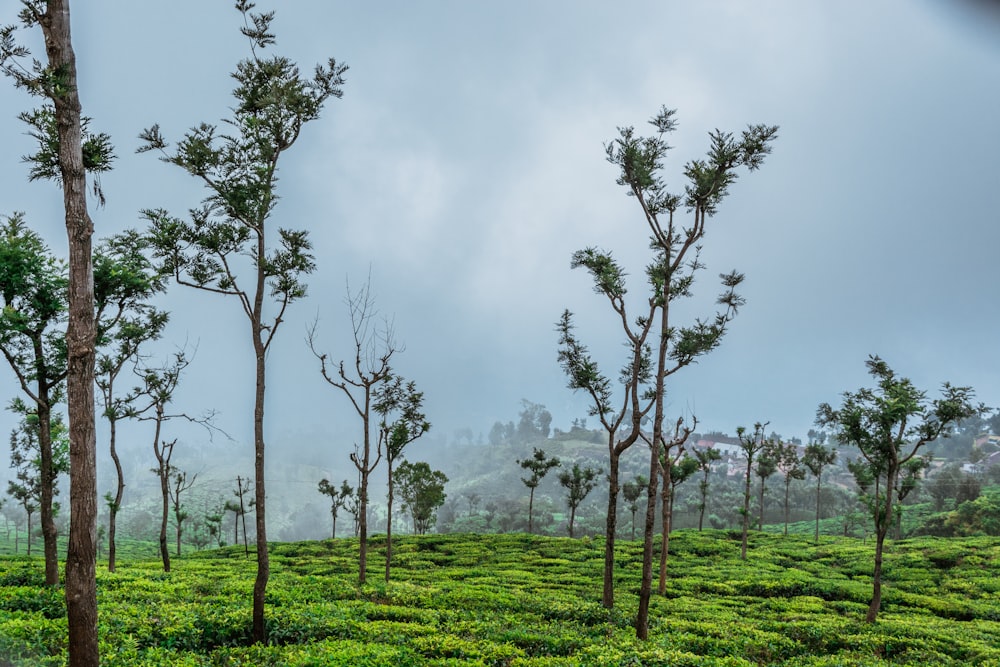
(465, 164)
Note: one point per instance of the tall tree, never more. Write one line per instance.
(32, 339)
(889, 424)
(338, 498)
(622, 420)
(73, 155)
(674, 265)
(752, 445)
(402, 420)
(422, 491)
(539, 465)
(705, 457)
(124, 281)
(578, 482)
(233, 228)
(815, 459)
(374, 347)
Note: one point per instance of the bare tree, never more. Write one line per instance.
(374, 346)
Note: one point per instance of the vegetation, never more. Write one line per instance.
(531, 601)
(240, 171)
(889, 424)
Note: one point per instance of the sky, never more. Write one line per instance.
(465, 164)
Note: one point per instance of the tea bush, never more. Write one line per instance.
(530, 601)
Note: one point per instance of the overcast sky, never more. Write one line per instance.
(465, 164)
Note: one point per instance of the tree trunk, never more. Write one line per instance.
(760, 521)
(164, 516)
(746, 512)
(29, 533)
(388, 526)
(48, 480)
(608, 597)
(263, 560)
(703, 487)
(666, 517)
(572, 517)
(531, 506)
(787, 483)
(817, 509)
(119, 494)
(882, 521)
(81, 556)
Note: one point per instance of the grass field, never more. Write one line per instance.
(531, 601)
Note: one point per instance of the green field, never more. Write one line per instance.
(531, 601)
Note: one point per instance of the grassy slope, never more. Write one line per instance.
(522, 600)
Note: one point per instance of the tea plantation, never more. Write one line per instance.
(530, 601)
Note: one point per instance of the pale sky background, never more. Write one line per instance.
(465, 164)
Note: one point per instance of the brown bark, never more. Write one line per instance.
(48, 478)
(666, 514)
(611, 528)
(81, 558)
(119, 494)
(263, 560)
(388, 526)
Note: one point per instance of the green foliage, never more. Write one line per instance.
(530, 601)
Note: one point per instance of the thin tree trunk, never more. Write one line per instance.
(666, 518)
(48, 478)
(28, 538)
(119, 494)
(531, 505)
(882, 519)
(388, 527)
(817, 508)
(263, 560)
(164, 516)
(608, 597)
(81, 556)
(760, 520)
(787, 483)
(572, 517)
(746, 513)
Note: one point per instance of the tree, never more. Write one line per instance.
(790, 466)
(631, 492)
(156, 392)
(815, 459)
(674, 265)
(240, 509)
(889, 424)
(338, 498)
(273, 103)
(180, 484)
(373, 351)
(28, 485)
(752, 446)
(534, 422)
(682, 467)
(73, 153)
(705, 457)
(578, 482)
(32, 340)
(622, 420)
(539, 466)
(124, 281)
(400, 407)
(909, 477)
(422, 491)
(767, 465)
